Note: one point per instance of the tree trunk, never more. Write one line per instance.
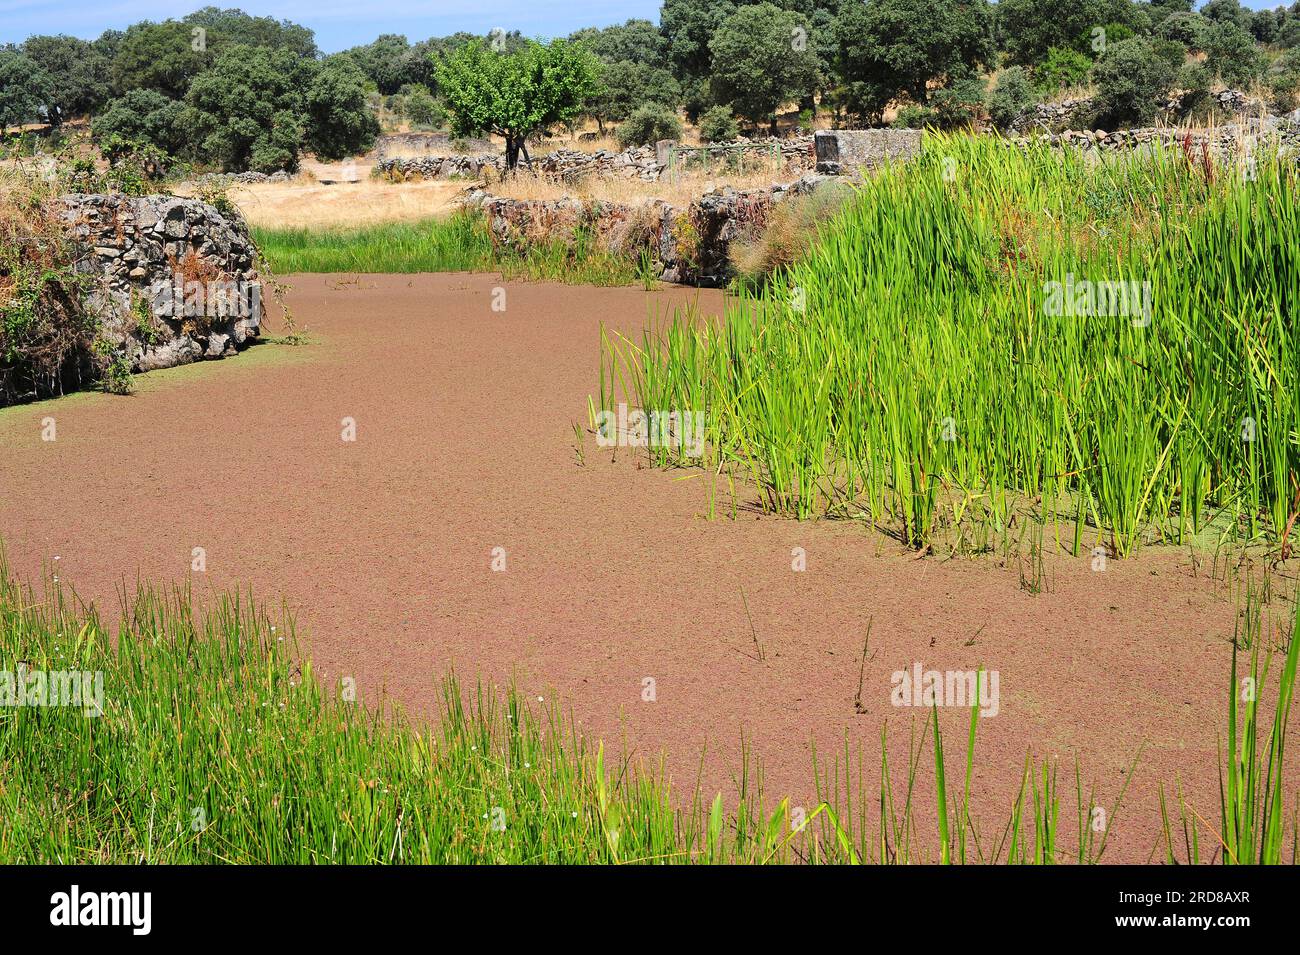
(771, 126)
(512, 152)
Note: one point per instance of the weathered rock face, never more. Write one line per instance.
(175, 279)
(688, 246)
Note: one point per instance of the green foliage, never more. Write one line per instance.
(158, 56)
(717, 125)
(422, 109)
(961, 102)
(141, 116)
(1030, 28)
(339, 124)
(205, 735)
(689, 26)
(761, 59)
(78, 73)
(1194, 80)
(258, 108)
(1011, 97)
(895, 47)
(636, 41)
(1064, 67)
(1232, 55)
(1131, 82)
(626, 85)
(1174, 417)
(517, 94)
(460, 243)
(1189, 29)
(647, 125)
(25, 89)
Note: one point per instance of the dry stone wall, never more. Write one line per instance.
(687, 245)
(570, 165)
(174, 280)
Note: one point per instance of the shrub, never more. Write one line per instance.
(1011, 97)
(648, 125)
(790, 230)
(913, 116)
(141, 117)
(1231, 53)
(1063, 67)
(961, 102)
(1130, 80)
(1194, 80)
(1171, 51)
(717, 125)
(423, 110)
(1189, 29)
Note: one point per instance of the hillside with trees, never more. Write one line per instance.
(221, 89)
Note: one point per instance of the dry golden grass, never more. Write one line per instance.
(302, 203)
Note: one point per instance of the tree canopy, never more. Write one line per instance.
(516, 94)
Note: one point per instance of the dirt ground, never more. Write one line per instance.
(614, 572)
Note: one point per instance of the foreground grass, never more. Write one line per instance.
(217, 743)
(458, 243)
(1111, 345)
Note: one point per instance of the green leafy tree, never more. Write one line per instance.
(247, 111)
(1265, 24)
(1189, 29)
(225, 28)
(159, 56)
(142, 117)
(688, 27)
(1030, 28)
(25, 89)
(1064, 67)
(1227, 11)
(1231, 54)
(78, 75)
(386, 62)
(887, 48)
(515, 95)
(625, 85)
(761, 59)
(422, 109)
(1131, 82)
(339, 123)
(636, 41)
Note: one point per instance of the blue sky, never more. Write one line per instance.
(343, 23)
(338, 23)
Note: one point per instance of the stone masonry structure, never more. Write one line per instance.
(174, 280)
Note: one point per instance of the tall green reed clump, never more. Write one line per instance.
(1253, 827)
(214, 741)
(458, 243)
(992, 324)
